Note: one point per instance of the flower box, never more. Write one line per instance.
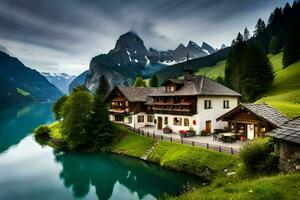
(182, 134)
(167, 130)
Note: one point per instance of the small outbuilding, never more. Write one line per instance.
(253, 120)
(288, 137)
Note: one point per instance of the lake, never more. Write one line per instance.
(30, 171)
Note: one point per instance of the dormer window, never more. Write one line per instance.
(170, 88)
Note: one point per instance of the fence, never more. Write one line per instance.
(218, 148)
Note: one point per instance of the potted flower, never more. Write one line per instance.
(190, 132)
(203, 133)
(167, 130)
(182, 133)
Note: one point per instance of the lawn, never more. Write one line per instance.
(132, 144)
(266, 188)
(285, 93)
(199, 161)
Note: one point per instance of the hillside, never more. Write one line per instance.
(285, 93)
(20, 84)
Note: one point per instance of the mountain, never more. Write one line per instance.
(61, 81)
(79, 80)
(20, 84)
(208, 48)
(130, 58)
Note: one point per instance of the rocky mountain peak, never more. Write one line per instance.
(192, 44)
(207, 47)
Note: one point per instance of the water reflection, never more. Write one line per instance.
(109, 173)
(16, 122)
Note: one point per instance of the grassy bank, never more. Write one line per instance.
(275, 187)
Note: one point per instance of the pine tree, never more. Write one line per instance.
(246, 34)
(140, 82)
(154, 81)
(103, 86)
(100, 127)
(275, 45)
(260, 27)
(57, 108)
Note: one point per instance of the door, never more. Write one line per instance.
(250, 131)
(159, 123)
(208, 126)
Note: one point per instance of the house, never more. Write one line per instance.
(253, 120)
(288, 136)
(194, 102)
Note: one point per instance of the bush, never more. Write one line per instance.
(258, 158)
(42, 131)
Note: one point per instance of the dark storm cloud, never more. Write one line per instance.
(70, 32)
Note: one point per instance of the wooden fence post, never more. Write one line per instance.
(161, 137)
(171, 139)
(220, 149)
(231, 150)
(148, 134)
(181, 141)
(207, 145)
(153, 134)
(193, 143)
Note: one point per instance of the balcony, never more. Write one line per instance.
(183, 108)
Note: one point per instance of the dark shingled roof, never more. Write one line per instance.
(263, 111)
(199, 85)
(138, 94)
(268, 113)
(289, 131)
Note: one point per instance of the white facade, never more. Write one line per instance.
(204, 119)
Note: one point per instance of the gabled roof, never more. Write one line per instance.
(262, 111)
(136, 94)
(176, 81)
(199, 85)
(289, 131)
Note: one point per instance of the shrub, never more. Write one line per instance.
(258, 158)
(42, 131)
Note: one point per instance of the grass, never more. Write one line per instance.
(132, 144)
(214, 71)
(202, 162)
(22, 92)
(275, 187)
(285, 93)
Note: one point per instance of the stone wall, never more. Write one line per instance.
(289, 157)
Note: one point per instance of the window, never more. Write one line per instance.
(170, 88)
(177, 121)
(225, 104)
(207, 104)
(186, 122)
(150, 118)
(140, 118)
(166, 121)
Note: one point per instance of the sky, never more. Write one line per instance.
(63, 35)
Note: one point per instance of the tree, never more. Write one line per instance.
(76, 118)
(57, 108)
(80, 88)
(139, 82)
(257, 75)
(100, 127)
(103, 86)
(275, 45)
(246, 34)
(260, 27)
(154, 81)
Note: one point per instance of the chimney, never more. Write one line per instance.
(188, 71)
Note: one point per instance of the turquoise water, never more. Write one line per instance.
(29, 171)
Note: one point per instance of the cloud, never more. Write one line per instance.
(70, 32)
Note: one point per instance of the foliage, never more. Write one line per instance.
(42, 131)
(246, 34)
(260, 27)
(77, 114)
(55, 132)
(80, 88)
(140, 82)
(57, 108)
(100, 128)
(154, 81)
(257, 156)
(275, 45)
